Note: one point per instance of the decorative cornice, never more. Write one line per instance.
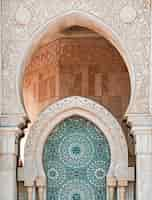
(143, 143)
(10, 130)
(13, 121)
(140, 121)
(141, 128)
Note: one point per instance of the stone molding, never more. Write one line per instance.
(59, 111)
(12, 121)
(9, 141)
(141, 128)
(140, 124)
(139, 120)
(143, 144)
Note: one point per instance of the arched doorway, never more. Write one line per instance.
(76, 161)
(80, 62)
(54, 116)
(103, 90)
(77, 55)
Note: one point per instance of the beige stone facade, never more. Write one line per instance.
(90, 58)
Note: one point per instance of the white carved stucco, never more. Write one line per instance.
(134, 38)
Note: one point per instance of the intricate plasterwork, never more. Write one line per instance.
(23, 15)
(133, 37)
(58, 112)
(83, 19)
(128, 14)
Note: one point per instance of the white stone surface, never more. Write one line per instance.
(150, 98)
(23, 15)
(128, 14)
(8, 154)
(0, 62)
(142, 131)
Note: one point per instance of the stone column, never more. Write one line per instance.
(30, 193)
(111, 182)
(41, 192)
(141, 127)
(8, 163)
(122, 184)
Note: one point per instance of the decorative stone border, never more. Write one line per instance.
(101, 117)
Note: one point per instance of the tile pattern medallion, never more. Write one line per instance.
(76, 160)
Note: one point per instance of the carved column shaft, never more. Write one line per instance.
(8, 163)
(111, 192)
(111, 182)
(122, 185)
(122, 192)
(41, 192)
(30, 192)
(144, 163)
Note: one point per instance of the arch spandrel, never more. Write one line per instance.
(61, 110)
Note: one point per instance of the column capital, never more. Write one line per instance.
(41, 182)
(111, 182)
(122, 183)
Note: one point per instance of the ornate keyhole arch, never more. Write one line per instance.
(61, 110)
(76, 18)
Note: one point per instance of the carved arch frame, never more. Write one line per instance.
(57, 112)
(80, 18)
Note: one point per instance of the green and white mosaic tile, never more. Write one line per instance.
(76, 161)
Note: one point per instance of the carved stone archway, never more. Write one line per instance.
(86, 20)
(101, 117)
